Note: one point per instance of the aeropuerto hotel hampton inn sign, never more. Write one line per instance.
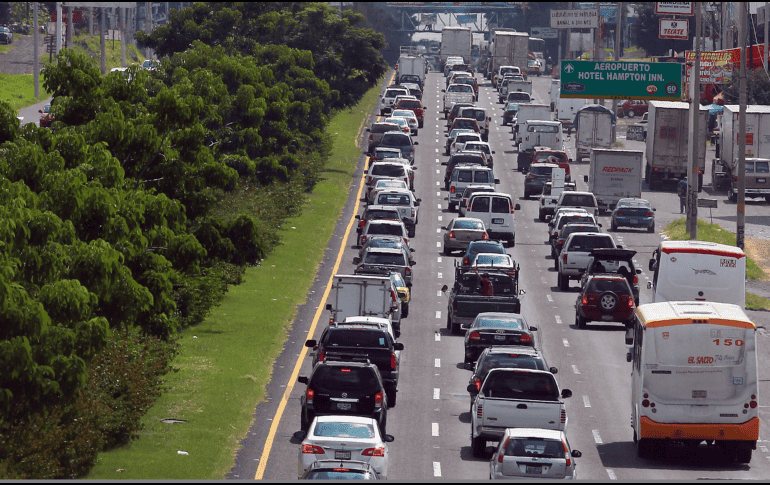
(621, 80)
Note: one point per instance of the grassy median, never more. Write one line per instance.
(715, 233)
(19, 90)
(225, 363)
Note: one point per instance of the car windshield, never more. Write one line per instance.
(615, 285)
(587, 243)
(387, 170)
(542, 129)
(518, 384)
(395, 139)
(468, 224)
(490, 322)
(385, 229)
(393, 199)
(344, 430)
(512, 360)
(534, 447)
(578, 200)
(329, 379)
(391, 259)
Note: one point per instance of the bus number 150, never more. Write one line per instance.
(728, 342)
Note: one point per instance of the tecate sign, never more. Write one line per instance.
(674, 29)
(675, 8)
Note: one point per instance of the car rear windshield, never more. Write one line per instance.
(386, 153)
(462, 138)
(491, 322)
(395, 139)
(409, 103)
(581, 219)
(389, 259)
(393, 199)
(758, 167)
(357, 337)
(477, 247)
(387, 170)
(516, 385)
(469, 191)
(534, 447)
(540, 170)
(467, 224)
(477, 147)
(470, 284)
(569, 230)
(500, 205)
(578, 200)
(465, 124)
(476, 114)
(392, 93)
(542, 129)
(519, 97)
(459, 88)
(383, 127)
(385, 229)
(512, 360)
(586, 243)
(465, 175)
(600, 285)
(328, 379)
(382, 214)
(494, 259)
(482, 177)
(344, 430)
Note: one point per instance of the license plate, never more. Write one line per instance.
(634, 221)
(343, 406)
(497, 221)
(500, 337)
(761, 181)
(606, 318)
(341, 455)
(535, 470)
(698, 394)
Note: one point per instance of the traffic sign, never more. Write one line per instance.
(621, 80)
(674, 29)
(544, 33)
(574, 19)
(675, 8)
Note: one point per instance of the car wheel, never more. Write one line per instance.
(613, 226)
(420, 124)
(743, 454)
(449, 323)
(446, 251)
(630, 113)
(452, 207)
(580, 322)
(410, 231)
(608, 302)
(651, 228)
(456, 329)
(563, 282)
(404, 310)
(304, 425)
(555, 261)
(391, 391)
(478, 447)
(416, 132)
(383, 423)
(541, 216)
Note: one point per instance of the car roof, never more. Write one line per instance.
(388, 149)
(387, 250)
(552, 434)
(609, 254)
(544, 164)
(378, 207)
(519, 349)
(484, 194)
(385, 221)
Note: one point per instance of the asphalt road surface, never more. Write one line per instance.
(431, 422)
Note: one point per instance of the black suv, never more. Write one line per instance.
(620, 261)
(362, 341)
(539, 174)
(343, 387)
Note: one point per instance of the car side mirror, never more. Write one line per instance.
(302, 379)
(329, 306)
(465, 326)
(522, 292)
(388, 438)
(472, 388)
(565, 393)
(653, 209)
(358, 216)
(443, 90)
(446, 135)
(651, 265)
(398, 346)
(600, 225)
(570, 160)
(517, 207)
(356, 260)
(638, 271)
(620, 246)
(649, 285)
(497, 181)
(576, 454)
(310, 343)
(493, 152)
(411, 250)
(424, 107)
(366, 172)
(553, 370)
(629, 357)
(368, 130)
(299, 435)
(40, 111)
(444, 288)
(413, 263)
(443, 163)
(532, 328)
(489, 118)
(585, 178)
(417, 203)
(416, 143)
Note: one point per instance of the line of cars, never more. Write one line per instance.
(356, 361)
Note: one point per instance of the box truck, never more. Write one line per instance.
(667, 140)
(455, 41)
(614, 175)
(409, 65)
(364, 296)
(594, 128)
(509, 49)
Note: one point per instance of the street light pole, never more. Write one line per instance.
(741, 207)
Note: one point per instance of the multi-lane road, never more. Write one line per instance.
(431, 423)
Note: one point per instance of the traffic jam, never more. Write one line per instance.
(474, 330)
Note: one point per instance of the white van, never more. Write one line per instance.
(496, 211)
(465, 175)
(698, 270)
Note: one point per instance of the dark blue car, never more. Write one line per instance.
(637, 213)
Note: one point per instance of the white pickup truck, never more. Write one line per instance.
(574, 258)
(551, 192)
(457, 93)
(515, 398)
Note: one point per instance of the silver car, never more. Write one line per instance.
(533, 453)
(461, 232)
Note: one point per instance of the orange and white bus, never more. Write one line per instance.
(694, 378)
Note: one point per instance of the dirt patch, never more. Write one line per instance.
(759, 251)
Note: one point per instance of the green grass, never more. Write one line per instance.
(715, 233)
(19, 90)
(90, 45)
(6, 47)
(225, 363)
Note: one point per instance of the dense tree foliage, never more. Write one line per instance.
(345, 54)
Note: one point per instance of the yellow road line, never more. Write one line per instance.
(298, 365)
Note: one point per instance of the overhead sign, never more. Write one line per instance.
(674, 29)
(715, 67)
(675, 8)
(544, 33)
(574, 19)
(621, 80)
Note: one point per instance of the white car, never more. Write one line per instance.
(533, 453)
(400, 121)
(410, 116)
(345, 438)
(460, 140)
(385, 184)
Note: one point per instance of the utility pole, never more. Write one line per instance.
(616, 57)
(102, 41)
(597, 31)
(122, 23)
(764, 34)
(58, 27)
(693, 145)
(35, 54)
(741, 207)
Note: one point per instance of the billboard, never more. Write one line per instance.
(621, 80)
(674, 29)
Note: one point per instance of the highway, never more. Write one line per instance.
(431, 422)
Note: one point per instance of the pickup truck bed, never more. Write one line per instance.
(466, 300)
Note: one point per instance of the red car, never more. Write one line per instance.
(606, 297)
(47, 118)
(415, 106)
(633, 107)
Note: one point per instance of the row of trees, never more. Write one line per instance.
(113, 234)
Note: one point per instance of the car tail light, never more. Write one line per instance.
(530, 175)
(466, 261)
(542, 201)
(630, 302)
(370, 179)
(474, 336)
(735, 179)
(363, 240)
(452, 189)
(406, 180)
(362, 223)
(649, 214)
(567, 456)
(413, 212)
(312, 450)
(563, 415)
(584, 300)
(406, 240)
(378, 398)
(374, 452)
(485, 236)
(619, 213)
(321, 355)
(393, 360)
(555, 233)
(393, 295)
(408, 271)
(564, 258)
(512, 211)
(371, 137)
(525, 339)
(309, 396)
(479, 411)
(477, 383)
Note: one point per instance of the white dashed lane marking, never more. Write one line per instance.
(436, 392)
(558, 319)
(437, 363)
(436, 469)
(597, 438)
(437, 336)
(440, 275)
(434, 429)
(586, 402)
(566, 343)
(575, 369)
(550, 298)
(438, 313)
(611, 474)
